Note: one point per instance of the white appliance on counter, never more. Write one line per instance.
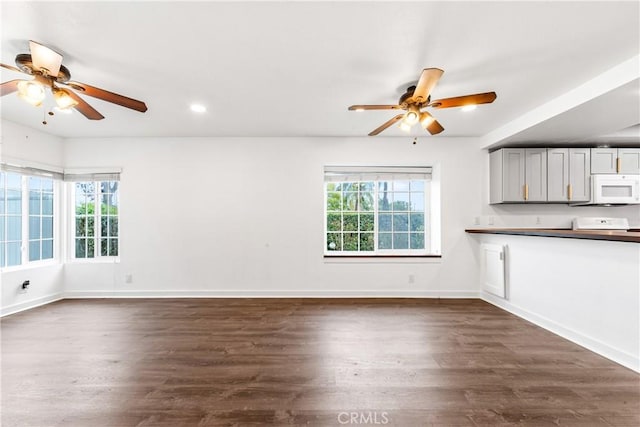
(611, 189)
(599, 223)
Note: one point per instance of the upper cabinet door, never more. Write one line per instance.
(629, 161)
(579, 174)
(513, 174)
(535, 174)
(603, 160)
(557, 174)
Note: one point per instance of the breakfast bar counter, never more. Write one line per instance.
(609, 235)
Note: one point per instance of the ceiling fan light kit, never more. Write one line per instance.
(45, 65)
(418, 97)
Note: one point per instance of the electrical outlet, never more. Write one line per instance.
(128, 278)
(538, 222)
(476, 220)
(412, 278)
(490, 221)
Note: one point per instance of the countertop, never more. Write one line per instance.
(610, 235)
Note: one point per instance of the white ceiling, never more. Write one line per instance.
(293, 68)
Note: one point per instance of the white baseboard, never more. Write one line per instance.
(26, 305)
(623, 358)
(271, 294)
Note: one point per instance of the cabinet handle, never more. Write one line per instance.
(526, 191)
(618, 164)
(569, 192)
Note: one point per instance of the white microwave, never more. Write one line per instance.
(615, 189)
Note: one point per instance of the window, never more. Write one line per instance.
(96, 219)
(10, 219)
(26, 218)
(378, 211)
(40, 218)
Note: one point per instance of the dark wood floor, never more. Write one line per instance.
(175, 362)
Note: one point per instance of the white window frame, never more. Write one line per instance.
(431, 216)
(24, 232)
(97, 214)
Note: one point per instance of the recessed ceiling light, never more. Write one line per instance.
(198, 108)
(469, 107)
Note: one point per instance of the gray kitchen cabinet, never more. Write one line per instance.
(629, 161)
(568, 173)
(518, 175)
(615, 161)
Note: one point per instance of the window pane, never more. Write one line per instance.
(47, 204)
(350, 241)
(14, 201)
(1, 229)
(47, 249)
(104, 247)
(34, 250)
(47, 227)
(334, 222)
(400, 201)
(334, 241)
(417, 185)
(366, 242)
(34, 183)
(47, 184)
(91, 248)
(14, 181)
(91, 229)
(81, 229)
(417, 201)
(34, 227)
(384, 241)
(14, 228)
(349, 186)
(34, 202)
(417, 221)
(366, 186)
(401, 222)
(417, 240)
(400, 240)
(2, 258)
(334, 201)
(350, 222)
(81, 250)
(366, 222)
(113, 226)
(384, 222)
(366, 202)
(104, 227)
(113, 247)
(350, 201)
(14, 256)
(400, 185)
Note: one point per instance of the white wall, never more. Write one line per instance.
(244, 216)
(585, 290)
(30, 147)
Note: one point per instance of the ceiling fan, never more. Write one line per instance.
(418, 97)
(45, 65)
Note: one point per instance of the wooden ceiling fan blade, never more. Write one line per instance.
(12, 68)
(45, 58)
(428, 80)
(386, 125)
(435, 127)
(105, 95)
(87, 110)
(461, 101)
(374, 107)
(9, 87)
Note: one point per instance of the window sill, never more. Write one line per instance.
(99, 260)
(382, 259)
